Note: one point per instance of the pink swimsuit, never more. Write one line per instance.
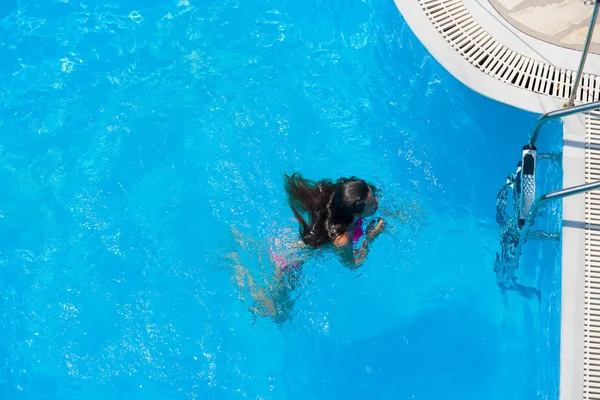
(357, 231)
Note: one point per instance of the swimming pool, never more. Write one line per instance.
(135, 134)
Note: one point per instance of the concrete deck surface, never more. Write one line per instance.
(564, 23)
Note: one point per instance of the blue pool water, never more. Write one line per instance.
(135, 134)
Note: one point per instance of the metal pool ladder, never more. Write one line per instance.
(584, 359)
(528, 204)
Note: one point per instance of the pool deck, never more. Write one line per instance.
(524, 53)
(563, 23)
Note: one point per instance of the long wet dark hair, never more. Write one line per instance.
(330, 207)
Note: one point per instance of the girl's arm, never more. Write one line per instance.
(353, 258)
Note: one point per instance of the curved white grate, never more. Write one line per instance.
(591, 341)
(456, 24)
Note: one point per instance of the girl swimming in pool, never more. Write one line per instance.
(331, 215)
(335, 214)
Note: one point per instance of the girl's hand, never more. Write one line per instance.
(374, 230)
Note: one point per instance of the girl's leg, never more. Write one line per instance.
(265, 305)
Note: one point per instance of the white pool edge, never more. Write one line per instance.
(470, 76)
(573, 259)
(573, 235)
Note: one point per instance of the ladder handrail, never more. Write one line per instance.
(563, 112)
(540, 201)
(529, 150)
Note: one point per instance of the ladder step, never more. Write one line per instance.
(541, 235)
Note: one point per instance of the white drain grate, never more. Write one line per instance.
(591, 354)
(456, 24)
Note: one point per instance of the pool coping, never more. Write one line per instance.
(470, 76)
(573, 255)
(573, 261)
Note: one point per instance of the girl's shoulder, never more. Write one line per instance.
(342, 240)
